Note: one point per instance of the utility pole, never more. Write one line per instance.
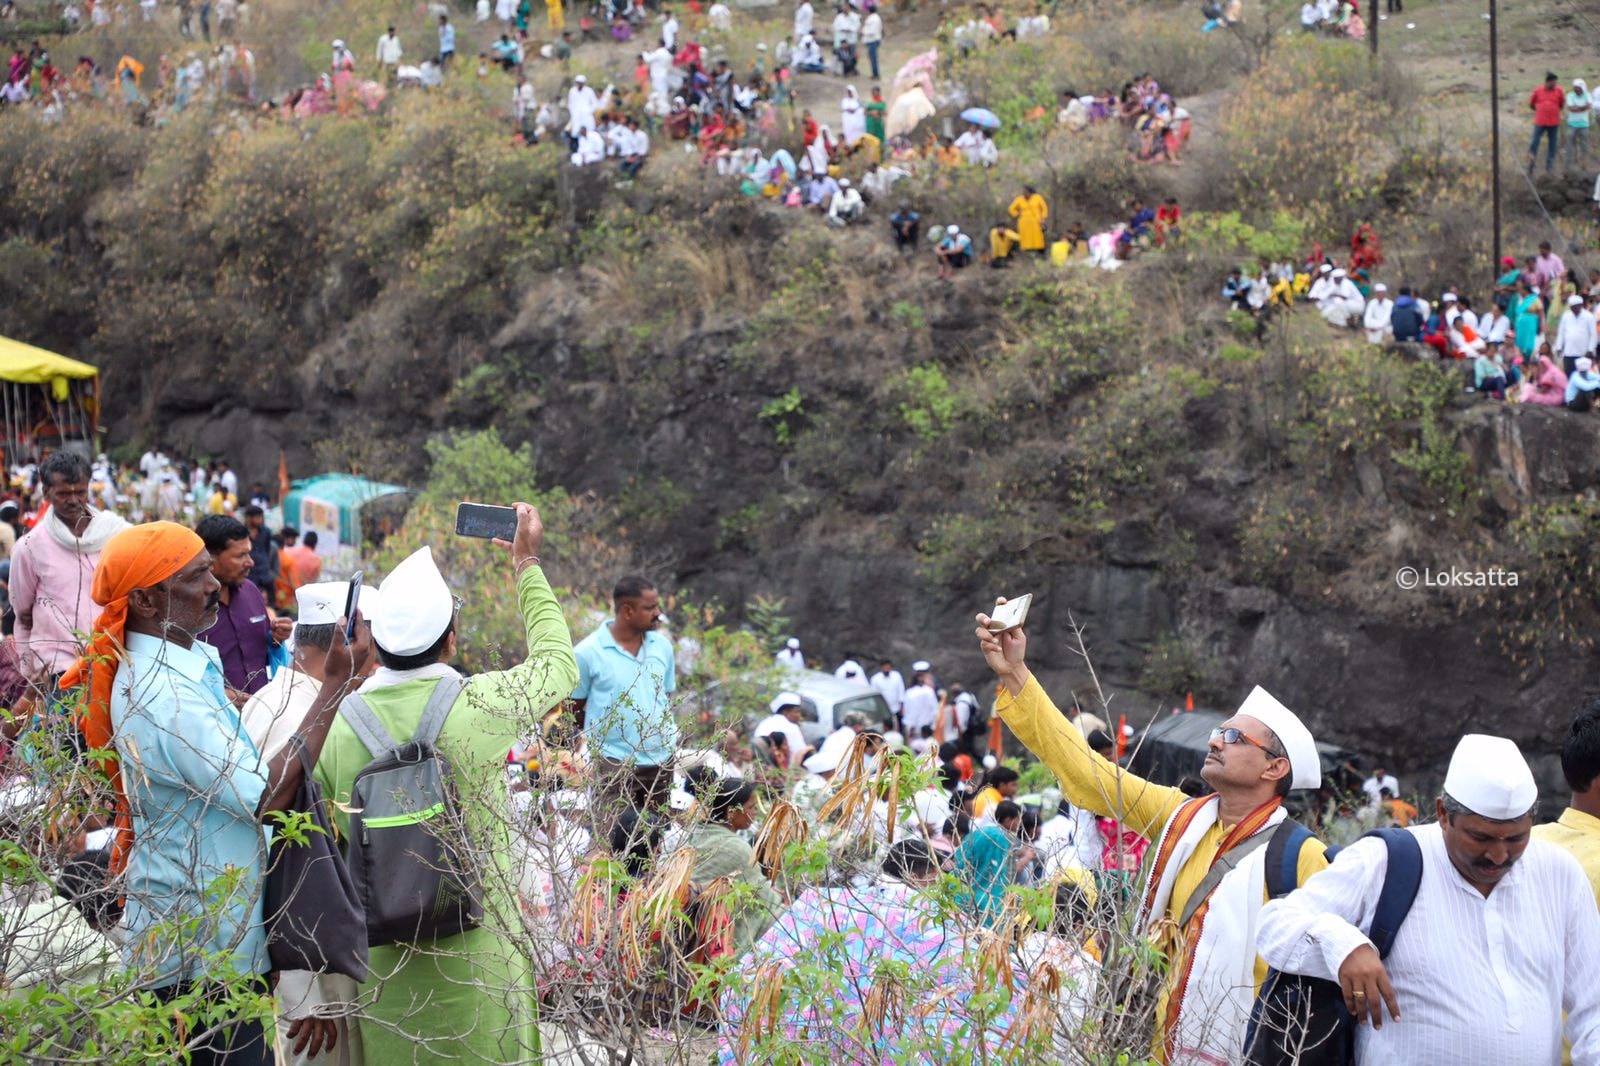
(1372, 29)
(1494, 122)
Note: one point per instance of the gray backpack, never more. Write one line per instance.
(406, 829)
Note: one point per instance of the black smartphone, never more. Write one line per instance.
(486, 520)
(352, 600)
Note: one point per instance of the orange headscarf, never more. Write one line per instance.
(136, 558)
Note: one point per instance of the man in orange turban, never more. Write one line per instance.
(189, 841)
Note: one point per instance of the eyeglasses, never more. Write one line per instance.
(1231, 735)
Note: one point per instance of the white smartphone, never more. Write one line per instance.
(1011, 614)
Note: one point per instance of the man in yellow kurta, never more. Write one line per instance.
(556, 17)
(1256, 758)
(1030, 211)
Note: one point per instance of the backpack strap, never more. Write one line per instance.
(357, 713)
(1283, 857)
(1223, 866)
(1400, 883)
(438, 708)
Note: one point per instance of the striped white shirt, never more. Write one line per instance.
(1480, 981)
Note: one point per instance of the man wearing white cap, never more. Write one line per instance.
(1376, 319)
(1502, 938)
(1208, 880)
(850, 670)
(271, 716)
(1319, 288)
(468, 996)
(791, 656)
(582, 101)
(1341, 304)
(1575, 336)
(891, 686)
(785, 718)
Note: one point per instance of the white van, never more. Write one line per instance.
(825, 700)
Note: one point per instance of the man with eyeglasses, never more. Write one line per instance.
(1207, 884)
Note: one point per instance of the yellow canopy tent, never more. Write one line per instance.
(48, 400)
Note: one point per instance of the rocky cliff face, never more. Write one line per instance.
(1393, 672)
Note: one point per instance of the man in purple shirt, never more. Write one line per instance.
(245, 633)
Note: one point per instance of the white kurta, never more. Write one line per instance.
(852, 120)
(793, 658)
(581, 104)
(276, 710)
(1343, 304)
(1480, 981)
(659, 64)
(803, 16)
(891, 686)
(1376, 320)
(920, 710)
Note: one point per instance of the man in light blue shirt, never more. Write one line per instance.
(626, 676)
(193, 793)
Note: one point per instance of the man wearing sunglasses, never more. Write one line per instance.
(1202, 900)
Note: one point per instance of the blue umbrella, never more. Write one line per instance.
(981, 116)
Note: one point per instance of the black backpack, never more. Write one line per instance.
(1302, 1021)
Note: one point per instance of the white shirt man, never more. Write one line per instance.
(1499, 942)
(872, 28)
(151, 462)
(591, 148)
(1342, 304)
(1320, 287)
(850, 670)
(1575, 336)
(970, 143)
(669, 31)
(921, 707)
(1494, 327)
(791, 655)
(878, 180)
(619, 138)
(581, 104)
(988, 153)
(658, 62)
(809, 53)
(389, 50)
(523, 102)
(803, 18)
(230, 483)
(786, 710)
(1068, 836)
(638, 145)
(890, 685)
(846, 205)
(846, 28)
(271, 716)
(1376, 319)
(1380, 780)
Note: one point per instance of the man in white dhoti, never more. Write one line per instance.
(1502, 938)
(582, 102)
(1342, 305)
(1375, 320)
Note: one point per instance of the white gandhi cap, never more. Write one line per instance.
(1489, 777)
(423, 606)
(782, 700)
(1574, 300)
(320, 604)
(1304, 762)
(793, 642)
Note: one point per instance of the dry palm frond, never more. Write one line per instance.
(592, 903)
(655, 905)
(884, 1003)
(784, 825)
(1038, 1011)
(995, 944)
(766, 1004)
(855, 764)
(715, 924)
